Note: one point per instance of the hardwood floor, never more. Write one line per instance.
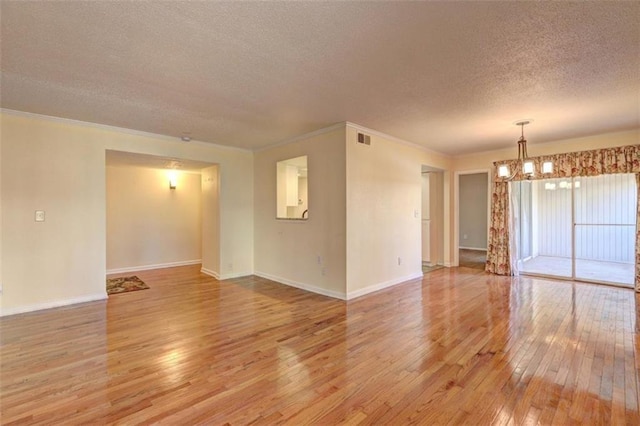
(472, 258)
(458, 347)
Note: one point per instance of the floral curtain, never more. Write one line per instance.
(638, 235)
(498, 257)
(624, 159)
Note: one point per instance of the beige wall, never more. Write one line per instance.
(364, 213)
(211, 221)
(307, 254)
(384, 205)
(426, 217)
(436, 214)
(59, 260)
(416, 156)
(59, 166)
(148, 224)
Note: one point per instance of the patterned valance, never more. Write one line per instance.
(623, 159)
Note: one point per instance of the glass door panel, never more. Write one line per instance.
(605, 216)
(548, 251)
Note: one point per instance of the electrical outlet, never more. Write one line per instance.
(319, 259)
(324, 272)
(464, 237)
(39, 216)
(399, 261)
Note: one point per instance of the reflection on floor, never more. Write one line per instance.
(427, 267)
(472, 258)
(621, 273)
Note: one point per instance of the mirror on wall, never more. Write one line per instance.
(292, 184)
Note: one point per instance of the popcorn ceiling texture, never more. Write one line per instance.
(451, 76)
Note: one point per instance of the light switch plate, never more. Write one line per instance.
(39, 215)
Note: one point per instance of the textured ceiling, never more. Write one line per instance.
(451, 76)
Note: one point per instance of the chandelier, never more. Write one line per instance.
(523, 163)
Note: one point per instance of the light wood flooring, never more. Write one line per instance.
(458, 347)
(472, 258)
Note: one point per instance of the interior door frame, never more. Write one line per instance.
(456, 208)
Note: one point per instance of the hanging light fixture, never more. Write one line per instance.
(523, 163)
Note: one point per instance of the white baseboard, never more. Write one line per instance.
(54, 304)
(211, 273)
(221, 277)
(235, 275)
(375, 287)
(302, 286)
(156, 266)
(472, 248)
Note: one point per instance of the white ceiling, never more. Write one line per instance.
(451, 76)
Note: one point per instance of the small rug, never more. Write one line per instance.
(124, 284)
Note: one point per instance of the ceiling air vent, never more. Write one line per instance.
(365, 139)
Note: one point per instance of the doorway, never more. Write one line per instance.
(160, 212)
(432, 219)
(577, 228)
(472, 218)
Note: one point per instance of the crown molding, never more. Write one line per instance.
(304, 136)
(141, 133)
(346, 124)
(395, 139)
(124, 130)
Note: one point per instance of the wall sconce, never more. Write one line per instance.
(173, 180)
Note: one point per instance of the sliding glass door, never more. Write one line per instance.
(605, 226)
(549, 248)
(581, 228)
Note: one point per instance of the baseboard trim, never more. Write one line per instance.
(380, 286)
(234, 275)
(472, 248)
(221, 277)
(302, 286)
(156, 266)
(54, 304)
(211, 273)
